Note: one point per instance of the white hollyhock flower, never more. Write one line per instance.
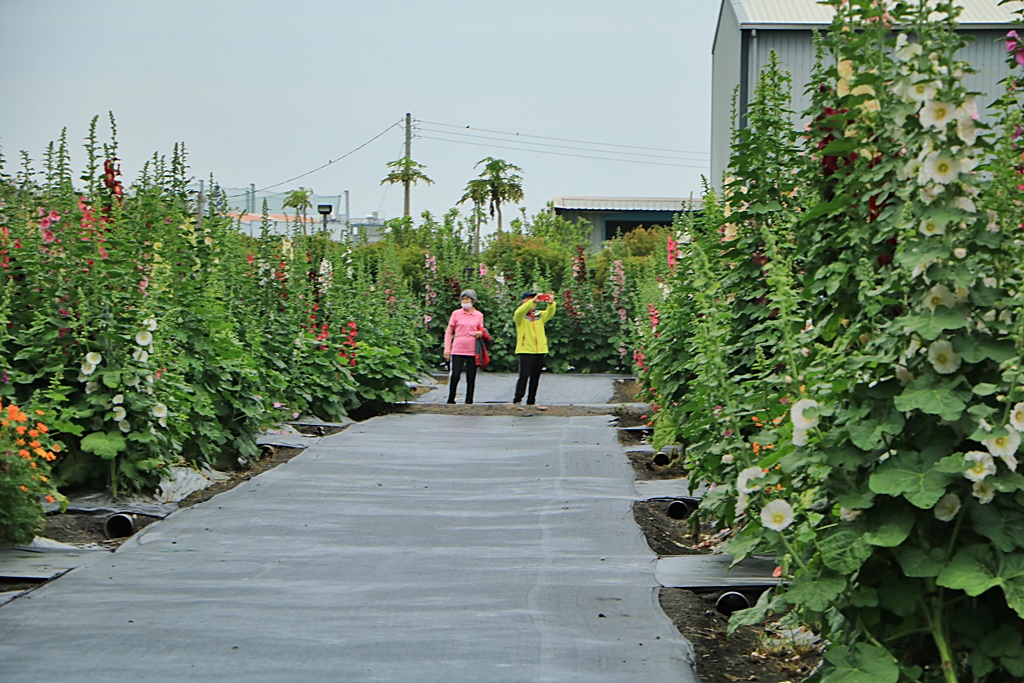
(967, 130)
(159, 410)
(904, 376)
(87, 369)
(935, 114)
(979, 465)
(1017, 417)
(947, 507)
(943, 358)
(993, 221)
(922, 91)
(777, 515)
(118, 399)
(124, 426)
(905, 50)
(144, 338)
(796, 413)
(960, 252)
(728, 459)
(799, 437)
(741, 503)
(965, 204)
(932, 226)
(149, 324)
(743, 484)
(939, 295)
(93, 358)
(848, 515)
(132, 381)
(938, 168)
(119, 413)
(1004, 446)
(983, 492)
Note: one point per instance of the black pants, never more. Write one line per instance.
(530, 365)
(453, 379)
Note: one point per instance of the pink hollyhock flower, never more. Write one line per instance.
(103, 253)
(45, 224)
(54, 216)
(48, 235)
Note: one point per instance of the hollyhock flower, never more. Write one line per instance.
(131, 381)
(728, 459)
(119, 413)
(979, 465)
(943, 358)
(993, 221)
(947, 507)
(124, 426)
(140, 354)
(777, 515)
(801, 421)
(48, 236)
(848, 515)
(965, 204)
(938, 168)
(93, 358)
(1004, 446)
(743, 480)
(1017, 417)
(159, 410)
(984, 492)
(905, 50)
(118, 399)
(144, 338)
(967, 131)
(54, 216)
(935, 114)
(904, 376)
(960, 252)
(931, 226)
(939, 295)
(799, 437)
(150, 324)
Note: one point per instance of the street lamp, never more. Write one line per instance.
(325, 210)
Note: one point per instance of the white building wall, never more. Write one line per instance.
(726, 71)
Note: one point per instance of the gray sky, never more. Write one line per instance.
(261, 91)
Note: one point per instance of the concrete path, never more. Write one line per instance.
(409, 548)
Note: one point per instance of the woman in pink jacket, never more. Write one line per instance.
(465, 327)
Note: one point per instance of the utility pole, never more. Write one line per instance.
(408, 156)
(348, 223)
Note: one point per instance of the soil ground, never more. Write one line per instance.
(750, 654)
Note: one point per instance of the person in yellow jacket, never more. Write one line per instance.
(531, 345)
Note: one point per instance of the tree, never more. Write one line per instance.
(502, 182)
(477, 191)
(407, 172)
(300, 200)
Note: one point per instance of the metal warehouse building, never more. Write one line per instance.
(748, 30)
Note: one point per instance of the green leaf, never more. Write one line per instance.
(867, 434)
(844, 550)
(984, 388)
(978, 568)
(908, 474)
(889, 525)
(1004, 527)
(931, 325)
(860, 663)
(974, 351)
(920, 563)
(939, 400)
(816, 593)
(104, 444)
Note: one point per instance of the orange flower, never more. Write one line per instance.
(757, 448)
(34, 466)
(34, 444)
(25, 454)
(49, 498)
(779, 419)
(21, 442)
(33, 433)
(23, 488)
(20, 429)
(42, 428)
(40, 452)
(56, 448)
(40, 412)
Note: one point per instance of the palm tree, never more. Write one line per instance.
(478, 191)
(407, 172)
(300, 200)
(504, 184)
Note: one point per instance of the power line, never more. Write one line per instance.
(320, 168)
(582, 142)
(564, 154)
(545, 144)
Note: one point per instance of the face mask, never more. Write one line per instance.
(466, 307)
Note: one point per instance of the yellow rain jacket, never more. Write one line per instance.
(530, 336)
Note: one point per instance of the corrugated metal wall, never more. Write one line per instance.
(726, 72)
(796, 51)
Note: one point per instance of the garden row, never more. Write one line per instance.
(840, 350)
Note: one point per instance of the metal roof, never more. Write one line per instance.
(625, 203)
(807, 13)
